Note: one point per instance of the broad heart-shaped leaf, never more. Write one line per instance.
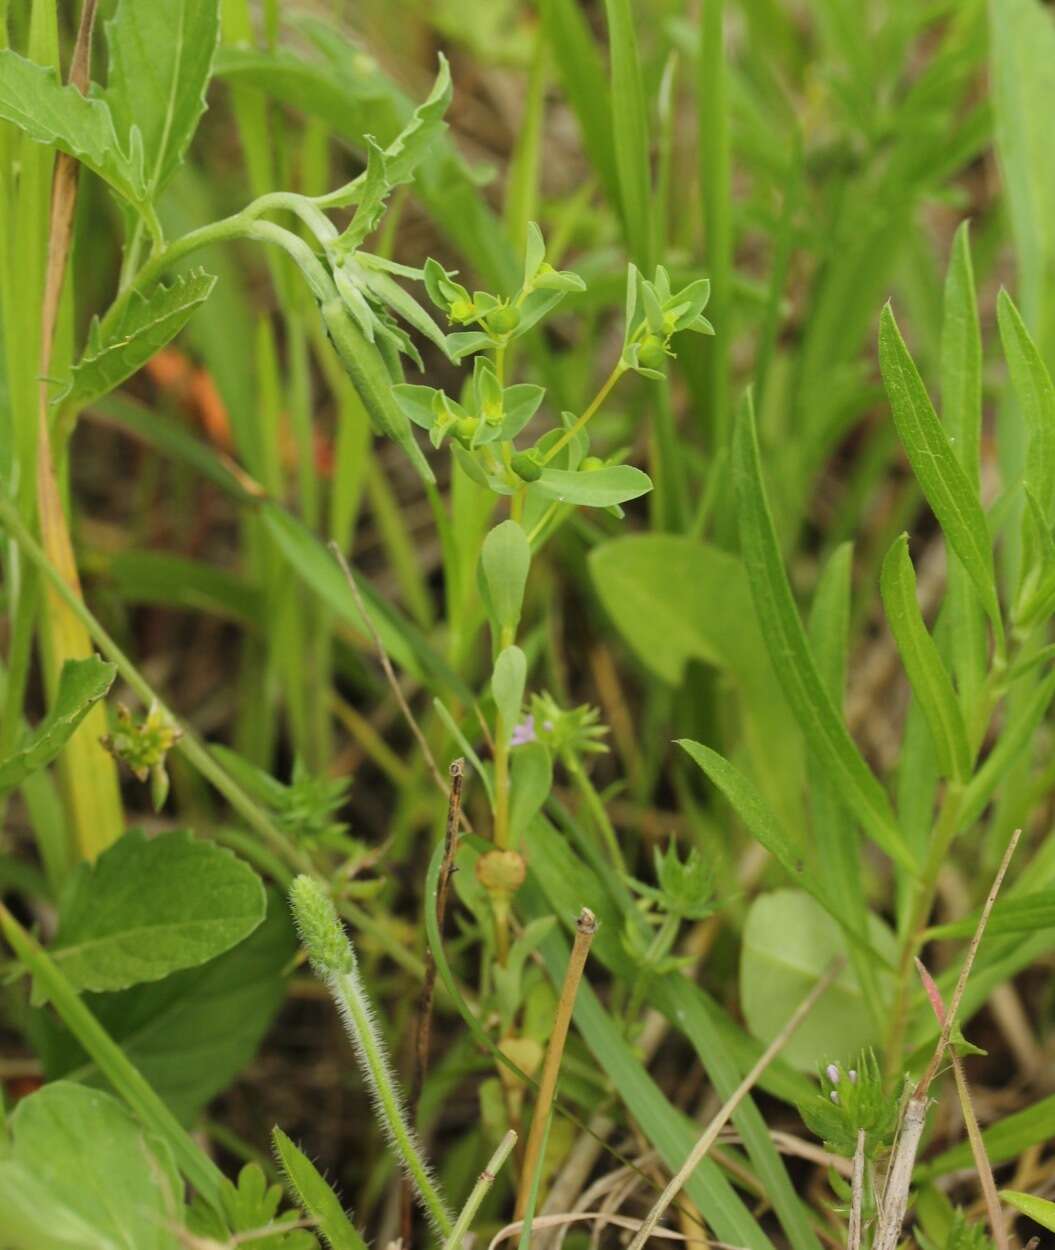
(143, 324)
(596, 488)
(789, 942)
(148, 907)
(822, 726)
(947, 488)
(675, 599)
(930, 682)
(1036, 399)
(316, 1196)
(32, 97)
(161, 54)
(191, 1034)
(82, 683)
(82, 1174)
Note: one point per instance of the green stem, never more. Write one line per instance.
(483, 1184)
(191, 747)
(593, 801)
(333, 958)
(594, 405)
(922, 903)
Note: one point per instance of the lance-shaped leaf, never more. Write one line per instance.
(930, 682)
(33, 99)
(141, 326)
(823, 728)
(316, 1196)
(161, 55)
(947, 488)
(1036, 398)
(82, 683)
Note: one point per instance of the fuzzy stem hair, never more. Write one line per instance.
(333, 958)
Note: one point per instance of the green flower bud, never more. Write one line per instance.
(591, 464)
(466, 427)
(462, 310)
(320, 928)
(526, 467)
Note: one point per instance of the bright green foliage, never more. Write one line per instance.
(684, 888)
(250, 1206)
(82, 683)
(80, 1171)
(1040, 1210)
(119, 346)
(338, 1232)
(852, 1100)
(148, 907)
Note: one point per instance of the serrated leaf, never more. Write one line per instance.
(149, 907)
(316, 1196)
(143, 325)
(82, 1174)
(1036, 399)
(161, 55)
(82, 683)
(930, 682)
(597, 488)
(33, 99)
(823, 727)
(191, 1034)
(946, 487)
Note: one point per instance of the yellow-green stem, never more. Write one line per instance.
(589, 412)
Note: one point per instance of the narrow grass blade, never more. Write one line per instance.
(630, 130)
(930, 682)
(823, 728)
(947, 489)
(1036, 399)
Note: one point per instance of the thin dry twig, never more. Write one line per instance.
(899, 1176)
(585, 929)
(710, 1134)
(621, 1221)
(857, 1189)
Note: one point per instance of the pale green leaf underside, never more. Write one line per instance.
(102, 1182)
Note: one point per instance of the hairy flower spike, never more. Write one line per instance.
(320, 928)
(333, 959)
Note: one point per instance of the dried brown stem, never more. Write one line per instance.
(585, 929)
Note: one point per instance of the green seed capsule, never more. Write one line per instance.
(466, 427)
(503, 320)
(651, 353)
(591, 464)
(462, 310)
(526, 467)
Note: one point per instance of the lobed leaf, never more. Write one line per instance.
(120, 345)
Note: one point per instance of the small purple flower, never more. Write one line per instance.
(834, 1097)
(832, 1072)
(524, 732)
